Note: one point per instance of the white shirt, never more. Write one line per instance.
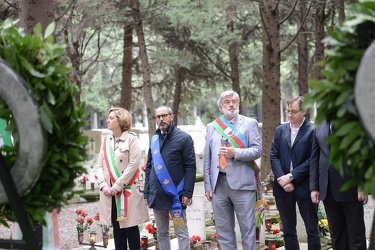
(293, 135)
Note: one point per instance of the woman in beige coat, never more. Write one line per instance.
(121, 202)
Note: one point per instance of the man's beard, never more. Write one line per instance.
(231, 113)
(166, 126)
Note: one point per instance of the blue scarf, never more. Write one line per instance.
(167, 182)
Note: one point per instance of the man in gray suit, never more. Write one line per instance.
(231, 182)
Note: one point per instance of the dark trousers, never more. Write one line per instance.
(309, 213)
(346, 224)
(123, 236)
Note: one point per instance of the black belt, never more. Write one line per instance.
(223, 173)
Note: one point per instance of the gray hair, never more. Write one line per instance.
(167, 107)
(226, 94)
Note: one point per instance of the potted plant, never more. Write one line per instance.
(81, 225)
(106, 229)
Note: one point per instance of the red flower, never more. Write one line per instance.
(151, 228)
(195, 239)
(96, 217)
(81, 227)
(276, 231)
(89, 221)
(215, 235)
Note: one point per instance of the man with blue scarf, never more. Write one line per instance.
(170, 178)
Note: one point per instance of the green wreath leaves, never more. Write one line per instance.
(352, 149)
(38, 60)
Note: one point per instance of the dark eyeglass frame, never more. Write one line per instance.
(292, 112)
(161, 116)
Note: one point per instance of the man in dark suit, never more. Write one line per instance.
(344, 209)
(290, 163)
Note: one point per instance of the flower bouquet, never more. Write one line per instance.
(82, 180)
(81, 225)
(195, 241)
(323, 222)
(261, 208)
(151, 228)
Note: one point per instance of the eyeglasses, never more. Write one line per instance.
(161, 116)
(292, 112)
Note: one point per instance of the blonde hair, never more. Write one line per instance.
(123, 116)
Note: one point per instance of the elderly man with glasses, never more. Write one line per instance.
(290, 163)
(170, 178)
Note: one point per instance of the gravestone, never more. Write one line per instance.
(195, 216)
(95, 141)
(369, 209)
(301, 230)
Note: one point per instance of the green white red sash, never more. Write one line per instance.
(228, 131)
(114, 173)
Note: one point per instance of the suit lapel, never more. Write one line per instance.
(287, 135)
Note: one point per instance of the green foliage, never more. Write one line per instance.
(39, 61)
(352, 149)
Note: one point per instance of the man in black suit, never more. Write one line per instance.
(344, 209)
(290, 163)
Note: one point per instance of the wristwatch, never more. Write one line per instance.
(291, 177)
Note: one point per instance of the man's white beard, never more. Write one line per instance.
(230, 114)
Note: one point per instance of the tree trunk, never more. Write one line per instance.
(303, 56)
(234, 73)
(72, 50)
(37, 11)
(146, 69)
(271, 78)
(340, 10)
(126, 85)
(179, 75)
(319, 36)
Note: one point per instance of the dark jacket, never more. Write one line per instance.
(178, 154)
(322, 174)
(282, 153)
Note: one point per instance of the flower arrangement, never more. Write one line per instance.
(82, 180)
(151, 228)
(104, 228)
(261, 208)
(323, 222)
(81, 225)
(195, 241)
(323, 227)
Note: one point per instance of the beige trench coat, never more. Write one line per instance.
(127, 158)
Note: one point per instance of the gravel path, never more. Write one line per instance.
(67, 224)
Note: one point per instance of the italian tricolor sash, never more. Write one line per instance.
(227, 130)
(114, 173)
(167, 183)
